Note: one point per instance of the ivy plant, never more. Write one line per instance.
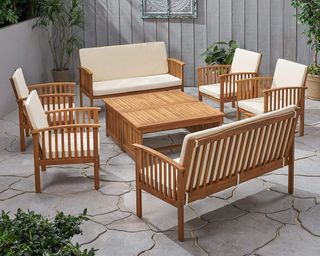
(31, 234)
(220, 53)
(309, 15)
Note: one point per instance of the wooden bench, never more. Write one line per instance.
(216, 159)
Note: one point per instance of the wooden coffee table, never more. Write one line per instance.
(129, 117)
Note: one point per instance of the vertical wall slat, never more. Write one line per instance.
(187, 50)
(251, 25)
(225, 20)
(163, 31)
(137, 23)
(150, 30)
(101, 22)
(113, 22)
(125, 22)
(238, 22)
(289, 31)
(213, 27)
(175, 36)
(90, 23)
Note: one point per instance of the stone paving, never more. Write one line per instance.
(255, 218)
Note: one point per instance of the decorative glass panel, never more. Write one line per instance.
(169, 8)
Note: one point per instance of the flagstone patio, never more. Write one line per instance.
(255, 218)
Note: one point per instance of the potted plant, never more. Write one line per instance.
(220, 53)
(309, 15)
(59, 19)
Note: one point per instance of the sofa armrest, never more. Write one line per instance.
(176, 68)
(86, 80)
(158, 174)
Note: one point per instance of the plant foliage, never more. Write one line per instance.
(13, 11)
(309, 15)
(30, 234)
(58, 19)
(220, 53)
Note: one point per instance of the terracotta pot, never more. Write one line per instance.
(313, 84)
(61, 76)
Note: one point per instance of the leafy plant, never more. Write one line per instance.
(309, 15)
(220, 53)
(13, 11)
(58, 19)
(30, 234)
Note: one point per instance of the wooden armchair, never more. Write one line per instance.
(216, 159)
(217, 82)
(71, 138)
(52, 95)
(264, 94)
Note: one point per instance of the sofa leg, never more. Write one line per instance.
(222, 106)
(43, 168)
(139, 201)
(200, 96)
(238, 115)
(181, 223)
(233, 104)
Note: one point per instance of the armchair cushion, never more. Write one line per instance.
(245, 61)
(125, 61)
(74, 147)
(254, 106)
(20, 84)
(135, 84)
(213, 90)
(288, 74)
(35, 111)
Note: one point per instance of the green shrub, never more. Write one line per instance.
(31, 234)
(220, 53)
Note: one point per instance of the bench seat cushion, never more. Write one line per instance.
(134, 84)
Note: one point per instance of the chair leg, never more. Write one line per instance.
(222, 106)
(233, 104)
(22, 129)
(238, 115)
(180, 222)
(43, 168)
(81, 98)
(139, 202)
(91, 102)
(291, 178)
(200, 96)
(302, 124)
(96, 174)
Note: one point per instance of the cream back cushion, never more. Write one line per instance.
(36, 114)
(125, 61)
(288, 73)
(245, 61)
(212, 131)
(20, 84)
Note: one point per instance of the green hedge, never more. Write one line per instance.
(14, 11)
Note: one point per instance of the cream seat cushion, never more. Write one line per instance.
(125, 61)
(288, 73)
(213, 90)
(20, 84)
(135, 84)
(75, 148)
(254, 106)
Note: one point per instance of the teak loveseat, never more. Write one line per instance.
(216, 159)
(127, 69)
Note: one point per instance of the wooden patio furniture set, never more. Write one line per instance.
(146, 95)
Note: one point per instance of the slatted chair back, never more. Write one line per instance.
(224, 156)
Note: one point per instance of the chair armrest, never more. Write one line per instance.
(278, 98)
(74, 116)
(86, 80)
(210, 74)
(68, 141)
(53, 88)
(57, 101)
(252, 87)
(228, 82)
(157, 173)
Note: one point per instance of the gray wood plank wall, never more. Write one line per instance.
(267, 26)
